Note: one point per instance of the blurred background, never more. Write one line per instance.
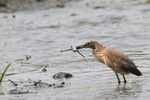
(17, 5)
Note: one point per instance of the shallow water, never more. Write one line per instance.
(42, 34)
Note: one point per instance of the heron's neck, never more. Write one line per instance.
(98, 48)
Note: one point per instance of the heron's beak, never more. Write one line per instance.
(80, 47)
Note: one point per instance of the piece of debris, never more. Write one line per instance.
(61, 85)
(40, 84)
(16, 91)
(28, 57)
(18, 60)
(62, 75)
(44, 68)
(24, 60)
(15, 84)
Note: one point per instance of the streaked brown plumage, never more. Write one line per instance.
(114, 59)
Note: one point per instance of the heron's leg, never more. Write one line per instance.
(125, 81)
(117, 77)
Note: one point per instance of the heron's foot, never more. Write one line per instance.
(125, 81)
(119, 82)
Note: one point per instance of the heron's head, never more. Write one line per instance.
(91, 44)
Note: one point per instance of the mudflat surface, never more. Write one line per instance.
(122, 24)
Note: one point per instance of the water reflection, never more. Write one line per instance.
(123, 92)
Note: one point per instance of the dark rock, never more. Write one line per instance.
(73, 14)
(62, 75)
(68, 75)
(98, 7)
(53, 84)
(50, 85)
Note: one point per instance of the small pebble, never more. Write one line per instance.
(63, 83)
(13, 16)
(44, 69)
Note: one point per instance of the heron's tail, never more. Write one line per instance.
(135, 71)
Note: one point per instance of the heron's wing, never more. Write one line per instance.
(118, 57)
(118, 60)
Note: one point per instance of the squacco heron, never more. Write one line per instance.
(113, 58)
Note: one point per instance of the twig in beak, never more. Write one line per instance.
(71, 49)
(80, 54)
